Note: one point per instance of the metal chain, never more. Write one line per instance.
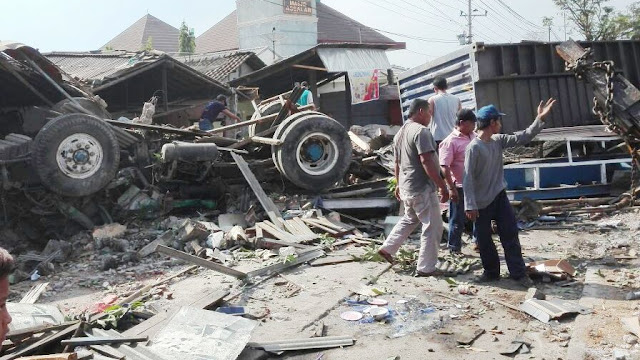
(606, 113)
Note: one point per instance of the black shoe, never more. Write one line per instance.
(525, 281)
(484, 278)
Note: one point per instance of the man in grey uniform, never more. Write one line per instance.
(418, 176)
(485, 196)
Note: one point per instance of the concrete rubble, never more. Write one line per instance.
(219, 259)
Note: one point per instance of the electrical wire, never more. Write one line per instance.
(505, 25)
(518, 16)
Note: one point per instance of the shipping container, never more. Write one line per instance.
(515, 77)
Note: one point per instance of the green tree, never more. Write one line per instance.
(592, 18)
(628, 24)
(187, 40)
(149, 45)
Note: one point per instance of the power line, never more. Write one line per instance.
(505, 25)
(517, 15)
(458, 23)
(426, 11)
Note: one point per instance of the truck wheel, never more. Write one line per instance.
(75, 155)
(315, 153)
(284, 125)
(266, 109)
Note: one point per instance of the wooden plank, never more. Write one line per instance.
(272, 243)
(332, 260)
(360, 142)
(248, 141)
(106, 340)
(309, 67)
(266, 141)
(139, 293)
(270, 228)
(265, 201)
(242, 124)
(64, 356)
(320, 226)
(34, 294)
(199, 261)
(27, 332)
(276, 268)
(304, 226)
(150, 248)
(47, 340)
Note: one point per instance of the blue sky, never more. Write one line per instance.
(429, 27)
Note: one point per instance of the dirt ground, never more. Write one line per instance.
(428, 315)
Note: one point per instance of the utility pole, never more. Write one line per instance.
(470, 15)
(273, 43)
(547, 22)
(564, 20)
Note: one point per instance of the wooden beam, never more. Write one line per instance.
(45, 341)
(64, 356)
(276, 268)
(86, 341)
(242, 124)
(266, 141)
(266, 202)
(199, 261)
(309, 67)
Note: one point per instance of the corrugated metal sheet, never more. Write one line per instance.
(515, 77)
(456, 67)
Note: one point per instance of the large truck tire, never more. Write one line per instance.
(284, 125)
(266, 109)
(315, 152)
(75, 155)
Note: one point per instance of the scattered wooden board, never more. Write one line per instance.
(199, 261)
(332, 260)
(107, 340)
(65, 356)
(34, 294)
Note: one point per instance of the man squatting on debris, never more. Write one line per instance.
(451, 154)
(6, 266)
(417, 174)
(485, 196)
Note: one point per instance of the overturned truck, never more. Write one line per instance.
(59, 143)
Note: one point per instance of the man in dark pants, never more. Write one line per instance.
(485, 195)
(451, 154)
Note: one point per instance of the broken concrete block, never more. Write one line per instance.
(227, 221)
(109, 231)
(216, 240)
(191, 230)
(534, 293)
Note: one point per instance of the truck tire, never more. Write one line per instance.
(315, 153)
(281, 129)
(266, 109)
(75, 155)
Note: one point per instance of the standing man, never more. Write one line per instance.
(418, 178)
(212, 110)
(307, 97)
(6, 266)
(443, 107)
(452, 150)
(485, 195)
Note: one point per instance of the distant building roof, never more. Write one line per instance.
(336, 27)
(164, 37)
(333, 27)
(220, 65)
(222, 36)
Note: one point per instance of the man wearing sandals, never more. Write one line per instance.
(485, 195)
(418, 177)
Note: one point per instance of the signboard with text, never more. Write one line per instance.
(298, 7)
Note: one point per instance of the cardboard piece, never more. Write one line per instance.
(558, 269)
(545, 310)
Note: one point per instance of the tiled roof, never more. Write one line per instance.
(164, 37)
(219, 65)
(334, 26)
(222, 36)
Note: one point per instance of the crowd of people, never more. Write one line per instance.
(447, 153)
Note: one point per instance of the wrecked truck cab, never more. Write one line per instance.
(53, 132)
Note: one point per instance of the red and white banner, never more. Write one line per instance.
(364, 86)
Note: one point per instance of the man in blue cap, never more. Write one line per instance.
(485, 196)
